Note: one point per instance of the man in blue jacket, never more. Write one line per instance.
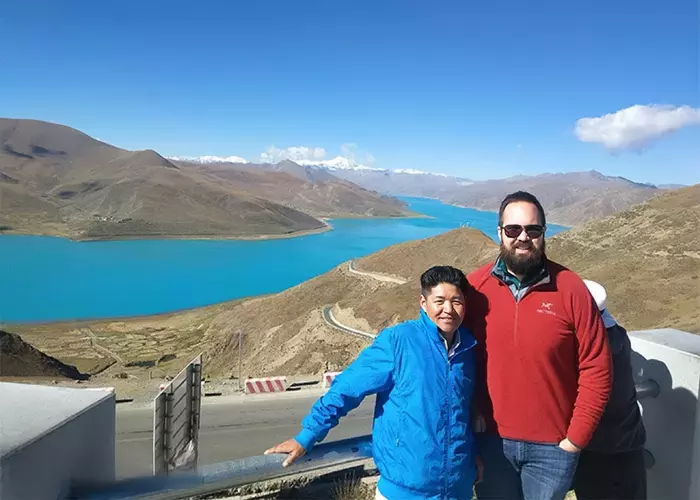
(422, 372)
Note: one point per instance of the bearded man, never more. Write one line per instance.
(543, 361)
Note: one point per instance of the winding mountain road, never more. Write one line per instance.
(330, 320)
(376, 276)
(327, 310)
(95, 343)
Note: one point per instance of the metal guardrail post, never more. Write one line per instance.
(196, 383)
(168, 429)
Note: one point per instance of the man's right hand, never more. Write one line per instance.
(291, 447)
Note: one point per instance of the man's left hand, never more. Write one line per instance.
(567, 445)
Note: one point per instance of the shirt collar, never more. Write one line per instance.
(501, 272)
(435, 331)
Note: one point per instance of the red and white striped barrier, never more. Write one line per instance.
(265, 385)
(328, 378)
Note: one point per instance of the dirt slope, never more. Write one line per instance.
(19, 359)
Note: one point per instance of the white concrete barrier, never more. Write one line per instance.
(265, 385)
(53, 437)
(672, 420)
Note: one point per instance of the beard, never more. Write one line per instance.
(523, 264)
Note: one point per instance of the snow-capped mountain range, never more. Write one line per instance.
(337, 163)
(209, 159)
(569, 198)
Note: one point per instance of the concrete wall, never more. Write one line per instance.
(53, 440)
(672, 420)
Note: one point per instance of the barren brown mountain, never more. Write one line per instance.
(310, 190)
(19, 359)
(568, 198)
(647, 257)
(56, 180)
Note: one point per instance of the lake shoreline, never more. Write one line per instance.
(86, 322)
(209, 237)
(327, 226)
(87, 284)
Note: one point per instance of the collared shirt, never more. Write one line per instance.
(455, 343)
(518, 287)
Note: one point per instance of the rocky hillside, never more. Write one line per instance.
(19, 359)
(310, 190)
(569, 199)
(59, 181)
(648, 257)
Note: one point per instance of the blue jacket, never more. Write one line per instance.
(422, 439)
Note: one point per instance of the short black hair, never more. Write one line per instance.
(442, 274)
(521, 196)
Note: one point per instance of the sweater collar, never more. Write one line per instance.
(501, 272)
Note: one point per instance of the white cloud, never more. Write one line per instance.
(636, 126)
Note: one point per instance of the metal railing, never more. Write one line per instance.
(235, 473)
(225, 475)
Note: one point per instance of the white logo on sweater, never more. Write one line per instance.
(546, 308)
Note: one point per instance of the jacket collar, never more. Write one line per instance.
(466, 340)
(536, 276)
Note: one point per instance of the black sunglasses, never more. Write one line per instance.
(534, 231)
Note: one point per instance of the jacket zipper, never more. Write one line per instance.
(449, 420)
(515, 325)
(517, 304)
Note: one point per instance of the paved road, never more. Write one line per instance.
(231, 427)
(330, 320)
(376, 276)
(95, 342)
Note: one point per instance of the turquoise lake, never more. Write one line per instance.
(50, 279)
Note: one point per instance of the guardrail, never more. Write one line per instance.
(235, 473)
(221, 476)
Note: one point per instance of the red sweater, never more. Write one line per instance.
(545, 360)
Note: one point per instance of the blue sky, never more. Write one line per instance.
(477, 89)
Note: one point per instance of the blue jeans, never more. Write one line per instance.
(520, 470)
